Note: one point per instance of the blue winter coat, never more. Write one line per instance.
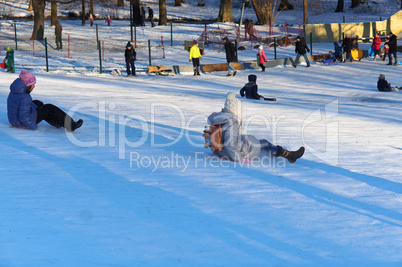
(236, 146)
(21, 111)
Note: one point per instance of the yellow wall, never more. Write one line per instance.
(333, 32)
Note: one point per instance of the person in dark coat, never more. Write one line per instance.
(300, 49)
(151, 16)
(250, 89)
(142, 12)
(24, 113)
(57, 32)
(383, 85)
(238, 146)
(230, 55)
(130, 57)
(393, 48)
(347, 46)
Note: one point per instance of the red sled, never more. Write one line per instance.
(3, 65)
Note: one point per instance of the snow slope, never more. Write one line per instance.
(135, 186)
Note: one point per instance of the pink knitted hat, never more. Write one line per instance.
(27, 78)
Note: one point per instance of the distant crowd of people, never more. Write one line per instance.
(341, 53)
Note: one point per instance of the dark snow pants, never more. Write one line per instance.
(128, 65)
(52, 115)
(196, 65)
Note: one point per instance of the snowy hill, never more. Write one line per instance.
(134, 186)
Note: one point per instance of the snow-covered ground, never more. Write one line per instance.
(134, 186)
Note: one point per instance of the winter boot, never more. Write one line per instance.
(77, 124)
(71, 125)
(291, 156)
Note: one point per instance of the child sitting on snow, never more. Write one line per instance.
(331, 58)
(385, 86)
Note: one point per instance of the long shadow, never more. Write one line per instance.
(185, 217)
(103, 180)
(370, 180)
(339, 201)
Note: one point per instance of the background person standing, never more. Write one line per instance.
(393, 48)
(57, 32)
(300, 49)
(230, 55)
(195, 56)
(130, 56)
(151, 16)
(10, 59)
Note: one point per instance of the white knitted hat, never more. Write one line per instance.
(233, 104)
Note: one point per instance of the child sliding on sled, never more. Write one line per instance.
(229, 142)
(250, 89)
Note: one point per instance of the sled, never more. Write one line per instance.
(3, 65)
(371, 52)
(159, 70)
(357, 54)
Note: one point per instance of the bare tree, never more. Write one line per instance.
(225, 11)
(53, 13)
(83, 12)
(178, 2)
(30, 7)
(355, 3)
(265, 10)
(136, 12)
(91, 7)
(120, 3)
(39, 19)
(339, 7)
(162, 13)
(53, 9)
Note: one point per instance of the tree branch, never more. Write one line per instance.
(61, 2)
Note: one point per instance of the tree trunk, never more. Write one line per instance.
(91, 8)
(285, 5)
(136, 13)
(355, 3)
(30, 7)
(339, 7)
(120, 3)
(305, 12)
(53, 13)
(83, 12)
(262, 11)
(162, 13)
(225, 11)
(39, 19)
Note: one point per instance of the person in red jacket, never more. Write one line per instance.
(261, 58)
(376, 45)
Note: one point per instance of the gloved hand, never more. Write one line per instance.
(245, 161)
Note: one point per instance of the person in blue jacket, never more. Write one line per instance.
(24, 113)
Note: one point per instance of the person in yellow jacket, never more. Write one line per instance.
(195, 56)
